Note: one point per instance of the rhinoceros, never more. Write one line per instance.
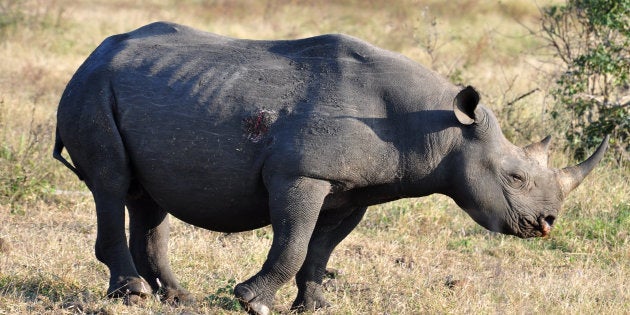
(303, 135)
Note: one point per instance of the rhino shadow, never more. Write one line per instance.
(423, 123)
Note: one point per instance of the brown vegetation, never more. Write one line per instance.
(407, 257)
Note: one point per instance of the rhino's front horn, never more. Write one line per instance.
(570, 177)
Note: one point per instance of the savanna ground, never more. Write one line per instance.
(406, 257)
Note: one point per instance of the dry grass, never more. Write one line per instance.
(407, 257)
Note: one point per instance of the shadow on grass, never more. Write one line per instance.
(45, 292)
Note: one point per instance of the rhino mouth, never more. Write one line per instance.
(545, 223)
(540, 227)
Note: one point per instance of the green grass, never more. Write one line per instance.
(406, 257)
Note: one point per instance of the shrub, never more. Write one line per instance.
(16, 14)
(591, 38)
(24, 164)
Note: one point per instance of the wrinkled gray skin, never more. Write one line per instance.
(232, 135)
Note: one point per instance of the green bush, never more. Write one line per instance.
(24, 164)
(16, 14)
(591, 38)
(11, 14)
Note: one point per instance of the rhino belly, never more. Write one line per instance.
(204, 176)
(216, 200)
(217, 211)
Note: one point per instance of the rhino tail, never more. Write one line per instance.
(57, 154)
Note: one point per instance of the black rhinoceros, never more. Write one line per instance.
(232, 135)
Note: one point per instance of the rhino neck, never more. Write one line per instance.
(427, 153)
(422, 168)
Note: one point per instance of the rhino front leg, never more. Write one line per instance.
(148, 242)
(294, 207)
(328, 233)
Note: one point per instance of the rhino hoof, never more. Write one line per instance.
(133, 299)
(257, 309)
(310, 305)
(247, 298)
(176, 297)
(132, 290)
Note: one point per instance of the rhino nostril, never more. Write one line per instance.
(550, 219)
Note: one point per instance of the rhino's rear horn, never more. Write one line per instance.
(570, 177)
(538, 151)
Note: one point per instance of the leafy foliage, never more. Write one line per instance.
(25, 177)
(224, 297)
(10, 14)
(20, 14)
(591, 38)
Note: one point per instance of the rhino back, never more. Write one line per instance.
(201, 114)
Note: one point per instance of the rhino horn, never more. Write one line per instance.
(538, 151)
(570, 177)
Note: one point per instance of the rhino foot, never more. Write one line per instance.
(176, 296)
(251, 302)
(311, 302)
(132, 289)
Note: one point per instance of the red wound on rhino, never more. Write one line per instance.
(257, 126)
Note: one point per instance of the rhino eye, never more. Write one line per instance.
(517, 180)
(517, 177)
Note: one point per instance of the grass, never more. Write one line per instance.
(406, 257)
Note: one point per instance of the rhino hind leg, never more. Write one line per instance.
(111, 241)
(148, 242)
(294, 207)
(99, 155)
(326, 236)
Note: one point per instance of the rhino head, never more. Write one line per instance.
(503, 187)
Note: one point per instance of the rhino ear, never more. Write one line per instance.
(465, 104)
